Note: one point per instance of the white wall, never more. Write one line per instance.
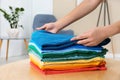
(32, 7)
(42, 6)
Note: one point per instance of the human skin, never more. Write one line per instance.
(90, 38)
(80, 11)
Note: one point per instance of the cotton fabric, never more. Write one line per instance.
(55, 53)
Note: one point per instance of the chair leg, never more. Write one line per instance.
(26, 43)
(7, 50)
(0, 43)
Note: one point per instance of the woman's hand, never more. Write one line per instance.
(50, 27)
(92, 37)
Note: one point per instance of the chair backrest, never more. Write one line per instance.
(41, 19)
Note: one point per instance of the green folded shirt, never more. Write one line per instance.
(67, 54)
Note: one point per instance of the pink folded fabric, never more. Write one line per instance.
(67, 71)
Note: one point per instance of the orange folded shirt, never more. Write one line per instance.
(66, 71)
(67, 65)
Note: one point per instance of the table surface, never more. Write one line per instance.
(21, 70)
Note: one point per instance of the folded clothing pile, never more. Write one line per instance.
(54, 53)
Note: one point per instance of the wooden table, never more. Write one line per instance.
(8, 42)
(21, 70)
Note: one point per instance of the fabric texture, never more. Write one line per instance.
(66, 65)
(60, 53)
(50, 41)
(54, 59)
(55, 53)
(48, 72)
(67, 49)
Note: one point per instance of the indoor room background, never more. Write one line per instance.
(58, 8)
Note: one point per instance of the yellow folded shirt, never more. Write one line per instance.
(65, 65)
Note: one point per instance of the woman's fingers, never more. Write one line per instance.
(80, 37)
(41, 28)
(90, 44)
(84, 41)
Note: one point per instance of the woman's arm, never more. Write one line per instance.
(95, 36)
(113, 29)
(80, 11)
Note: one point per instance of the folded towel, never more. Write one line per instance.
(65, 65)
(47, 41)
(59, 54)
(67, 49)
(56, 53)
(54, 59)
(66, 71)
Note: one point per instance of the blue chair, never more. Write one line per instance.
(41, 19)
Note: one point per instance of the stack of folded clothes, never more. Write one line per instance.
(54, 53)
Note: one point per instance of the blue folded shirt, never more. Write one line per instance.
(50, 41)
(77, 47)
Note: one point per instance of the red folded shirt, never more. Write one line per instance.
(67, 71)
